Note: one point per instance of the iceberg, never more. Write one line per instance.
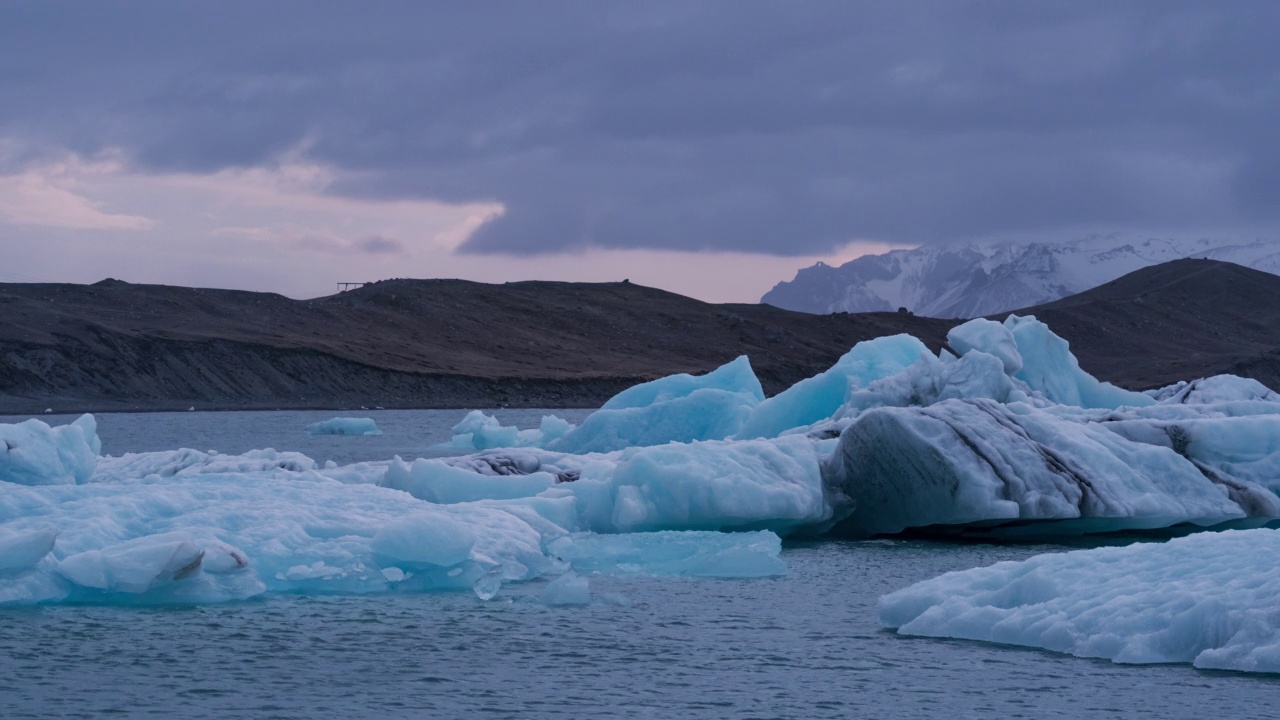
(734, 377)
(821, 396)
(903, 440)
(1214, 391)
(23, 549)
(713, 485)
(187, 461)
(678, 408)
(134, 566)
(186, 526)
(344, 426)
(1049, 368)
(33, 453)
(980, 463)
(478, 431)
(932, 380)
(1206, 599)
(990, 337)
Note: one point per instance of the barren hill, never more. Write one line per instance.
(1175, 321)
(396, 343)
(452, 343)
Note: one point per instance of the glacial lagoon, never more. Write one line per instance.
(807, 644)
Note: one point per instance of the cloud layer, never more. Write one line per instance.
(759, 127)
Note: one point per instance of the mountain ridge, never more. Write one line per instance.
(451, 343)
(963, 281)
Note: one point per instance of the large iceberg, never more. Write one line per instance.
(981, 463)
(1049, 368)
(1207, 599)
(678, 408)
(821, 396)
(712, 485)
(195, 532)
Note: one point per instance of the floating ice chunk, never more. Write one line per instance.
(1050, 368)
(487, 586)
(976, 375)
(967, 463)
(484, 432)
(819, 397)
(21, 549)
(766, 484)
(1234, 450)
(32, 453)
(266, 531)
(344, 426)
(689, 553)
(438, 481)
(171, 463)
(678, 408)
(553, 428)
(568, 589)
(735, 377)
(135, 566)
(987, 336)
(706, 414)
(1214, 390)
(775, 485)
(425, 539)
(1207, 599)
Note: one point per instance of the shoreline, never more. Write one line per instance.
(95, 409)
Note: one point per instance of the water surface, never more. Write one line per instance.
(807, 645)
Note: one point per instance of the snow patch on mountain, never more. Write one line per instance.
(974, 280)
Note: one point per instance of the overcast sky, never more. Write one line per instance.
(709, 148)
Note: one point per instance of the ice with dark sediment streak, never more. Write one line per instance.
(978, 462)
(1001, 433)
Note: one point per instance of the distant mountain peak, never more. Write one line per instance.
(974, 280)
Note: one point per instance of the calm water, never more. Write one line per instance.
(804, 646)
(407, 433)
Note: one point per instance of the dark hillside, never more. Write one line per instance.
(396, 343)
(453, 343)
(1175, 321)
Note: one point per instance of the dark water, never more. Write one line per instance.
(804, 646)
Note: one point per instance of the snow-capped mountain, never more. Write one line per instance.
(975, 280)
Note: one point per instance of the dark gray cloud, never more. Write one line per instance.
(776, 127)
(379, 244)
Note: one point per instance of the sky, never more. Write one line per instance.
(709, 148)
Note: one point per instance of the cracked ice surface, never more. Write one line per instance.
(1206, 599)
